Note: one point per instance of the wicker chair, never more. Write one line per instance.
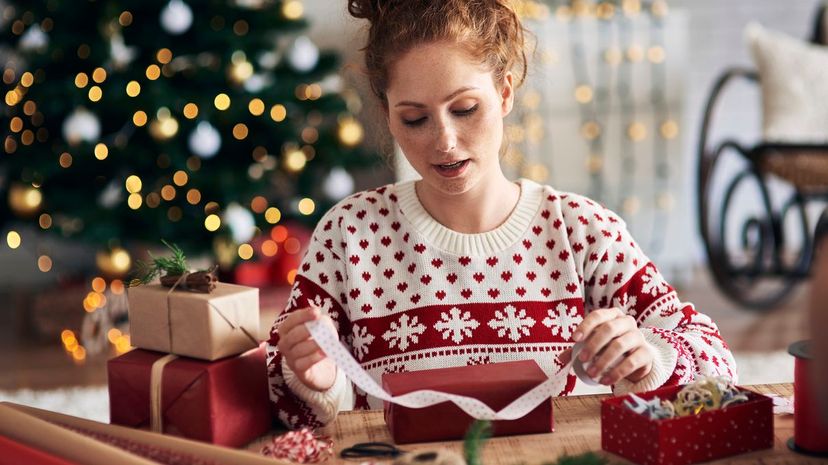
(762, 270)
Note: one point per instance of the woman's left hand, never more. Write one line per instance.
(612, 341)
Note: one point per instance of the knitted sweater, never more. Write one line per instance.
(407, 293)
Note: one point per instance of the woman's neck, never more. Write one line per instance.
(483, 208)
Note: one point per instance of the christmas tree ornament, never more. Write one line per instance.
(121, 55)
(34, 40)
(241, 222)
(269, 59)
(303, 55)
(176, 17)
(111, 195)
(338, 184)
(81, 126)
(205, 140)
(256, 83)
(332, 84)
(24, 200)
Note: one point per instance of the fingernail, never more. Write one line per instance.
(592, 372)
(604, 380)
(583, 356)
(577, 336)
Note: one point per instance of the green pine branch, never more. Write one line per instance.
(175, 265)
(476, 436)
(480, 431)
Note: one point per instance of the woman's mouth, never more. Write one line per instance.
(451, 170)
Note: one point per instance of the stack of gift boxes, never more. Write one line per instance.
(198, 370)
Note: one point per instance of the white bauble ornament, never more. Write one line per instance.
(205, 141)
(111, 195)
(121, 55)
(303, 55)
(256, 83)
(338, 184)
(34, 40)
(81, 126)
(241, 222)
(332, 84)
(176, 17)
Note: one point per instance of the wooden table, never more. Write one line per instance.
(577, 430)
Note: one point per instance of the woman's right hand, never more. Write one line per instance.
(301, 353)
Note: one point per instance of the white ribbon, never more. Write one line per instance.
(328, 341)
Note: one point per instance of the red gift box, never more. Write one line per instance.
(710, 435)
(223, 402)
(496, 385)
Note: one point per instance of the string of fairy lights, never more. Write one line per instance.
(609, 56)
(82, 138)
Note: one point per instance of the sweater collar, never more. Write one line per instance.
(478, 244)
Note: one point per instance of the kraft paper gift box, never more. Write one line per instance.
(223, 402)
(207, 326)
(496, 385)
(735, 429)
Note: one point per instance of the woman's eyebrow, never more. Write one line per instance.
(448, 97)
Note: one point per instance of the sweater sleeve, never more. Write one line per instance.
(685, 342)
(320, 280)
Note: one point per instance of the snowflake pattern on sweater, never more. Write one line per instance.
(407, 294)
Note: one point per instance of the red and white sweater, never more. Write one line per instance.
(407, 293)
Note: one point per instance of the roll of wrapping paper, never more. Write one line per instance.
(810, 432)
(40, 428)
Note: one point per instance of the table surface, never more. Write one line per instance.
(577, 430)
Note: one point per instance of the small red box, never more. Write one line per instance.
(733, 430)
(496, 385)
(223, 402)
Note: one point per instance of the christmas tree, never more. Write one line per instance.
(201, 122)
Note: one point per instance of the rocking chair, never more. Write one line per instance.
(760, 270)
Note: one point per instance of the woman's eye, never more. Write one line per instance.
(467, 111)
(415, 122)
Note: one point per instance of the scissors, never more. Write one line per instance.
(371, 449)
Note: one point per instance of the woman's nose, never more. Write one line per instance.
(446, 138)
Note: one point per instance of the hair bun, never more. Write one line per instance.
(371, 10)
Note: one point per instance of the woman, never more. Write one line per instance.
(465, 266)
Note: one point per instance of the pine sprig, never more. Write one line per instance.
(476, 436)
(175, 265)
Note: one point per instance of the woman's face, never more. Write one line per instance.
(446, 113)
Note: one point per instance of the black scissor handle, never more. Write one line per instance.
(371, 449)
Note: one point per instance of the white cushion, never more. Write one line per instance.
(793, 75)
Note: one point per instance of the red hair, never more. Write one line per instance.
(489, 30)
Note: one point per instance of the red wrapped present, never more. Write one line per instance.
(223, 402)
(709, 435)
(496, 385)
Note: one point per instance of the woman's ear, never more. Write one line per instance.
(507, 94)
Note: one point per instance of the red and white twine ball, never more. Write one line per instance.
(300, 446)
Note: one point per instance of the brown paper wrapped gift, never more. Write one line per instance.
(207, 326)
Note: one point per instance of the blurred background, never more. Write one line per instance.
(228, 127)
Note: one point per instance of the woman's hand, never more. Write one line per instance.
(301, 353)
(613, 342)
